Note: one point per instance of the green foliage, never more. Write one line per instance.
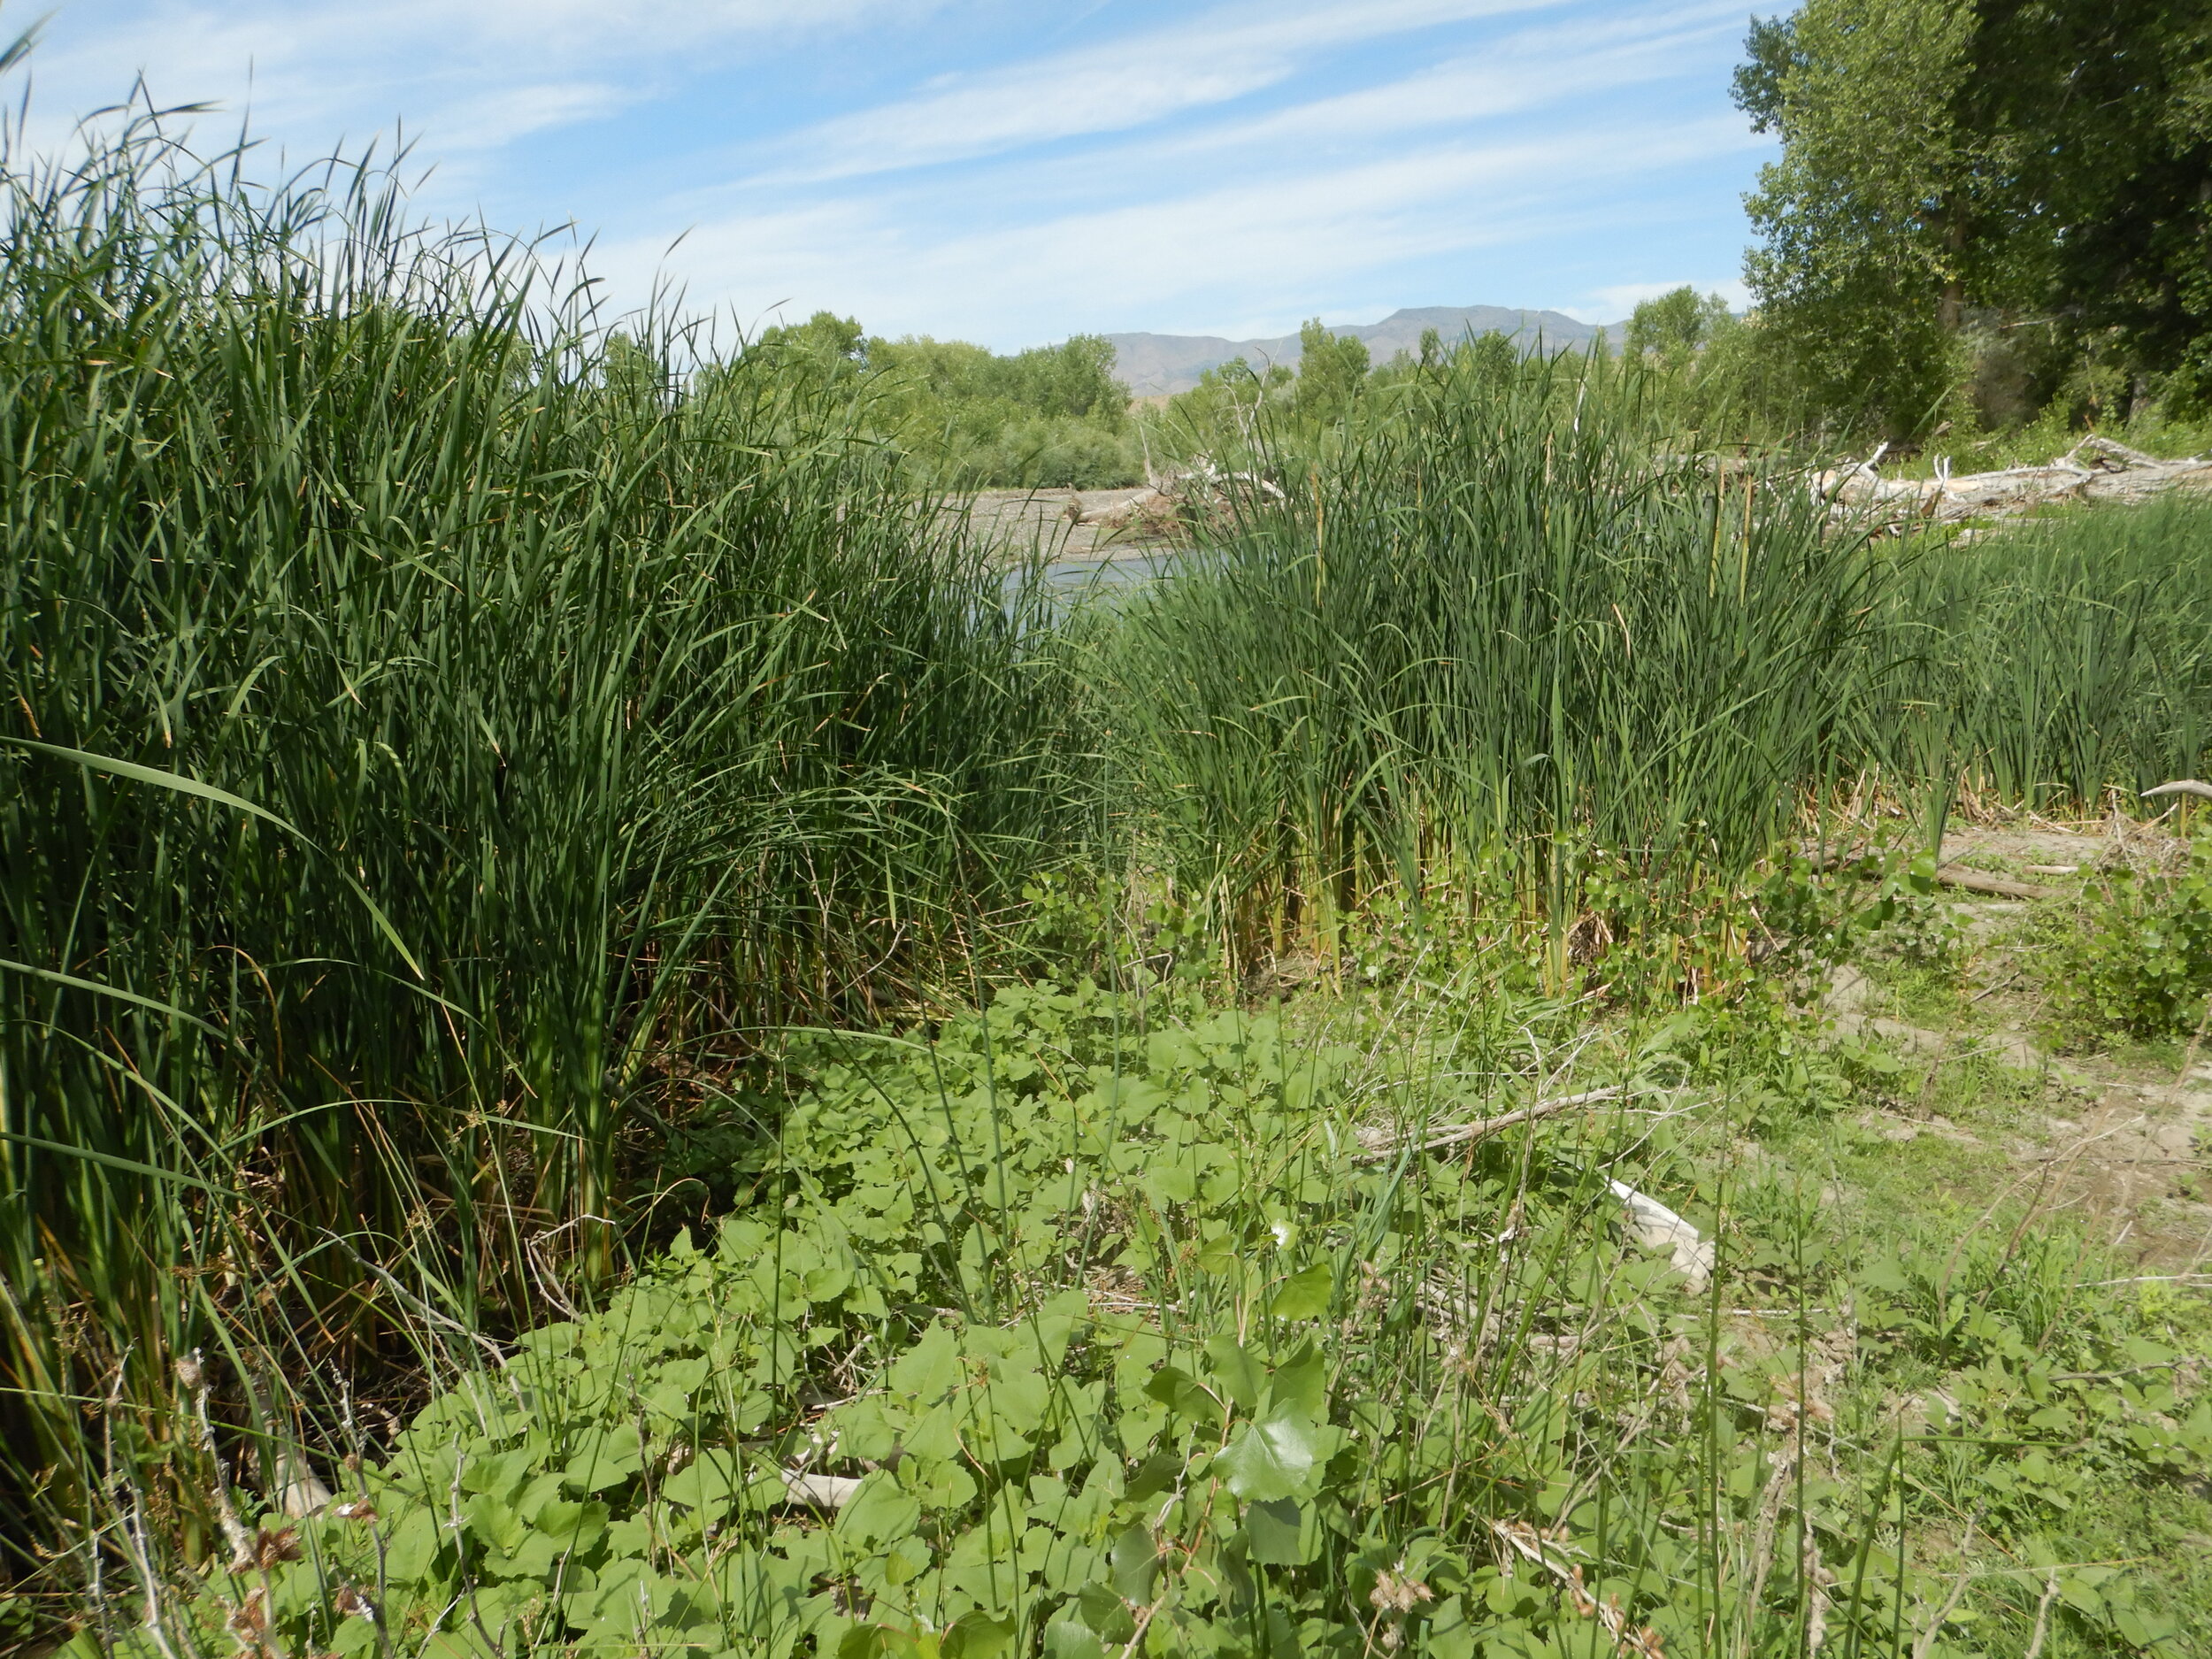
(1332, 371)
(1857, 250)
(1053, 416)
(445, 745)
(1672, 329)
(1716, 377)
(422, 720)
(2139, 961)
(2016, 182)
(1223, 413)
(1092, 1301)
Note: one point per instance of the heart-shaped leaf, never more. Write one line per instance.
(1272, 1457)
(1064, 1639)
(1136, 1563)
(1273, 1528)
(1304, 1294)
(1240, 1374)
(1175, 1389)
(976, 1635)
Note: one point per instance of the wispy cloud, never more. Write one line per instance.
(1224, 168)
(475, 75)
(1129, 82)
(1523, 71)
(1249, 254)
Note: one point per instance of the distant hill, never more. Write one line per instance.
(1151, 365)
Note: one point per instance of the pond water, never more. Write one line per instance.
(1074, 580)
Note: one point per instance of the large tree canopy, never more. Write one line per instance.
(2038, 168)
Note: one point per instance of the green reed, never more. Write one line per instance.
(427, 730)
(1485, 634)
(2069, 657)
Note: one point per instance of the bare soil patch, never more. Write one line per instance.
(2118, 1139)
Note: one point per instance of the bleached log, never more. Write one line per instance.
(2181, 785)
(1975, 881)
(2109, 449)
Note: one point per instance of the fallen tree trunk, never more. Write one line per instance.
(1947, 875)
(2095, 469)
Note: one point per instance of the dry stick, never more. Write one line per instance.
(1921, 1648)
(2042, 1617)
(1949, 876)
(1769, 1515)
(1526, 1542)
(1454, 1133)
(1975, 881)
(191, 1373)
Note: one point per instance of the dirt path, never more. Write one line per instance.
(2117, 1139)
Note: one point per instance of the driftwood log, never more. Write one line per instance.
(1947, 875)
(2096, 469)
(1200, 490)
(1975, 881)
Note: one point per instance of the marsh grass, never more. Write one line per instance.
(1502, 651)
(2069, 657)
(432, 732)
(1493, 641)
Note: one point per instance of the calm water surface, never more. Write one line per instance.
(1074, 580)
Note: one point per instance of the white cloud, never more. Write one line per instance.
(1251, 252)
(470, 76)
(1523, 72)
(1122, 84)
(1242, 166)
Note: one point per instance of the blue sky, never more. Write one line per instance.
(1010, 173)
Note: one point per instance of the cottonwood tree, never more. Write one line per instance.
(1671, 329)
(1331, 371)
(1859, 216)
(2004, 169)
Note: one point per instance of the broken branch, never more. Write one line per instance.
(1386, 1144)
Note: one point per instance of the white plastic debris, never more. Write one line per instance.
(1654, 1225)
(829, 1492)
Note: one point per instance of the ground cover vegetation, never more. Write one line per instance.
(616, 1041)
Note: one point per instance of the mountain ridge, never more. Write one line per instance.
(1152, 366)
